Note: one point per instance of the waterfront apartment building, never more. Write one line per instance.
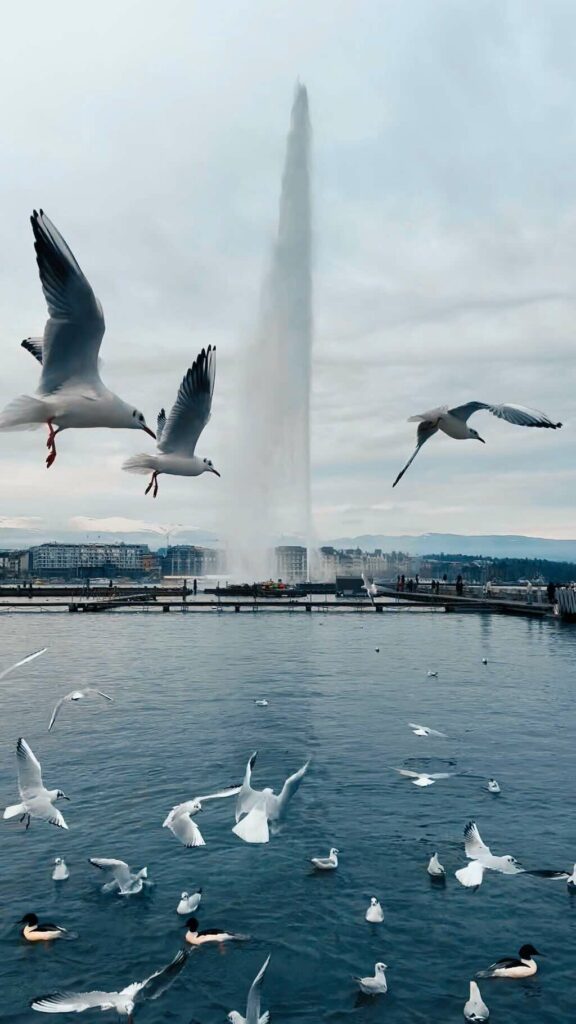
(14, 565)
(291, 563)
(189, 560)
(70, 561)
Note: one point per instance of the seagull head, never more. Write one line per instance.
(61, 796)
(137, 422)
(380, 968)
(209, 467)
(474, 434)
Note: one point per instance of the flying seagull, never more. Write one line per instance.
(71, 392)
(73, 697)
(454, 422)
(37, 801)
(424, 730)
(123, 1002)
(121, 878)
(23, 661)
(180, 822)
(253, 1015)
(177, 434)
(482, 858)
(422, 778)
(262, 806)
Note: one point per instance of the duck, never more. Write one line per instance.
(33, 931)
(475, 1008)
(188, 904)
(60, 872)
(376, 985)
(435, 869)
(194, 937)
(493, 786)
(484, 661)
(329, 863)
(523, 966)
(374, 914)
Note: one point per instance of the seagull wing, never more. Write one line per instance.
(41, 807)
(471, 876)
(73, 1002)
(517, 414)
(426, 430)
(34, 347)
(290, 787)
(118, 868)
(406, 771)
(191, 410)
(254, 827)
(56, 711)
(253, 1001)
(247, 797)
(74, 331)
(474, 846)
(29, 771)
(155, 986)
(185, 829)
(99, 693)
(23, 661)
(440, 775)
(231, 791)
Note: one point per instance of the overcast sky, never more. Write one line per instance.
(445, 242)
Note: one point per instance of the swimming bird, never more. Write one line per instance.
(125, 881)
(253, 1015)
(424, 730)
(374, 914)
(73, 698)
(60, 872)
(476, 849)
(177, 435)
(23, 661)
(123, 1001)
(568, 876)
(261, 703)
(71, 392)
(454, 422)
(493, 786)
(422, 778)
(262, 806)
(194, 937)
(435, 868)
(34, 931)
(475, 1008)
(376, 985)
(188, 904)
(329, 863)
(180, 822)
(484, 662)
(432, 673)
(37, 801)
(523, 966)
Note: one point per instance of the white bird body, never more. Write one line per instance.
(431, 673)
(71, 392)
(472, 875)
(425, 730)
(475, 1008)
(127, 883)
(60, 872)
(263, 703)
(257, 808)
(37, 801)
(493, 786)
(253, 1015)
(376, 985)
(329, 863)
(435, 868)
(476, 849)
(522, 966)
(189, 903)
(180, 822)
(374, 913)
(73, 698)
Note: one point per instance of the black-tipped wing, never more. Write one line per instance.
(253, 1001)
(34, 346)
(426, 430)
(155, 986)
(73, 334)
(23, 661)
(29, 771)
(474, 845)
(160, 424)
(517, 414)
(191, 410)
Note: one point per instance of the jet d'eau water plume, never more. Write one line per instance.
(273, 485)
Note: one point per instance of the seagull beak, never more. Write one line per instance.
(148, 431)
(215, 471)
(481, 439)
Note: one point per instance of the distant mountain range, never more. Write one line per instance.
(486, 546)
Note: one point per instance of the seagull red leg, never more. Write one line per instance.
(51, 444)
(152, 484)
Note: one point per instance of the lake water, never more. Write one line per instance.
(184, 723)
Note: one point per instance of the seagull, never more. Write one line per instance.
(262, 806)
(71, 392)
(493, 786)
(188, 904)
(432, 674)
(177, 434)
(454, 422)
(424, 730)
(179, 821)
(523, 966)
(435, 868)
(123, 1002)
(475, 1008)
(476, 850)
(37, 801)
(253, 1015)
(73, 697)
(376, 985)
(374, 914)
(329, 863)
(127, 883)
(423, 778)
(261, 703)
(23, 661)
(60, 872)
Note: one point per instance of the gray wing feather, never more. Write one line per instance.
(72, 1002)
(290, 787)
(34, 346)
(29, 771)
(231, 791)
(519, 415)
(118, 868)
(160, 424)
(191, 410)
(23, 661)
(426, 430)
(56, 711)
(155, 986)
(253, 1001)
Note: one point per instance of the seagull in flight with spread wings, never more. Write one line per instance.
(180, 821)
(36, 800)
(177, 434)
(71, 392)
(454, 422)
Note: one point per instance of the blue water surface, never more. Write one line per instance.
(184, 722)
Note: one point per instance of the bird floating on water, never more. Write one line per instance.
(73, 698)
(23, 661)
(194, 937)
(493, 786)
(263, 806)
(374, 913)
(484, 662)
(435, 868)
(253, 1015)
(37, 801)
(376, 985)
(475, 1008)
(424, 730)
(261, 703)
(35, 931)
(522, 966)
(189, 903)
(422, 778)
(329, 863)
(432, 673)
(127, 883)
(71, 392)
(60, 872)
(180, 822)
(454, 422)
(178, 434)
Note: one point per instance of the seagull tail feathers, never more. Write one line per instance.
(24, 413)
(141, 463)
